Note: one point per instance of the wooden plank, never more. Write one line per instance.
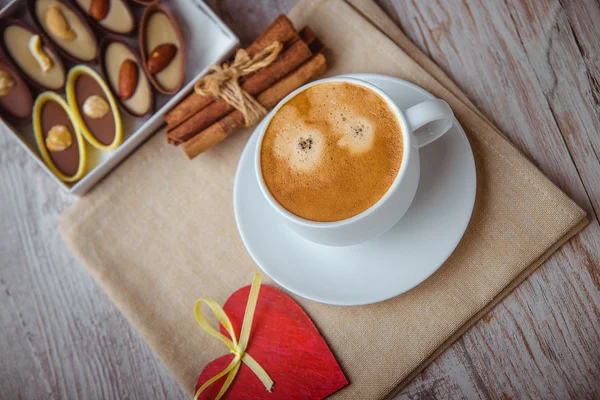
(248, 19)
(568, 74)
(479, 39)
(63, 338)
(543, 339)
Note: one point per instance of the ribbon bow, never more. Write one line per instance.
(223, 81)
(236, 347)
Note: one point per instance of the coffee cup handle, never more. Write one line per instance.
(429, 120)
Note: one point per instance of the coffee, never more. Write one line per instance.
(332, 151)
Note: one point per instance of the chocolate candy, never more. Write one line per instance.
(94, 108)
(58, 137)
(114, 16)
(162, 49)
(114, 53)
(34, 56)
(15, 97)
(66, 27)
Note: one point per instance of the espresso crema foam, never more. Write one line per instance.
(331, 152)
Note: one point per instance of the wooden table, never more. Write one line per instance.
(532, 66)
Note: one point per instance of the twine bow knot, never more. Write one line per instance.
(238, 348)
(223, 81)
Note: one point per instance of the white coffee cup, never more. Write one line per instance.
(421, 124)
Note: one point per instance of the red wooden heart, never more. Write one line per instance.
(286, 343)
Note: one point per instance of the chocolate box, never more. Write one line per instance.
(207, 40)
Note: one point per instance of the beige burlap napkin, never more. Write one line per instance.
(159, 232)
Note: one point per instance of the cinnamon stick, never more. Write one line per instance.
(268, 99)
(280, 30)
(314, 44)
(289, 60)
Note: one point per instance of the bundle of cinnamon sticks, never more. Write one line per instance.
(199, 122)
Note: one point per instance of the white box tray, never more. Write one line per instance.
(207, 39)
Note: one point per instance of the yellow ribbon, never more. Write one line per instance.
(237, 348)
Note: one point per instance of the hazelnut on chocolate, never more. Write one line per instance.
(95, 107)
(59, 138)
(6, 83)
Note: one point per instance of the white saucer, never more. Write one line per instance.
(381, 268)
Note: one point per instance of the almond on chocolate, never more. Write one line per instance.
(128, 79)
(99, 9)
(114, 16)
(160, 57)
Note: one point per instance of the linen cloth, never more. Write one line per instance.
(159, 233)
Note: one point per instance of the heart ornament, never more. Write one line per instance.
(280, 353)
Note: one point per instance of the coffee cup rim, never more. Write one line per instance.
(407, 147)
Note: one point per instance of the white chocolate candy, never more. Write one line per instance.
(160, 31)
(114, 55)
(17, 40)
(74, 38)
(118, 19)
